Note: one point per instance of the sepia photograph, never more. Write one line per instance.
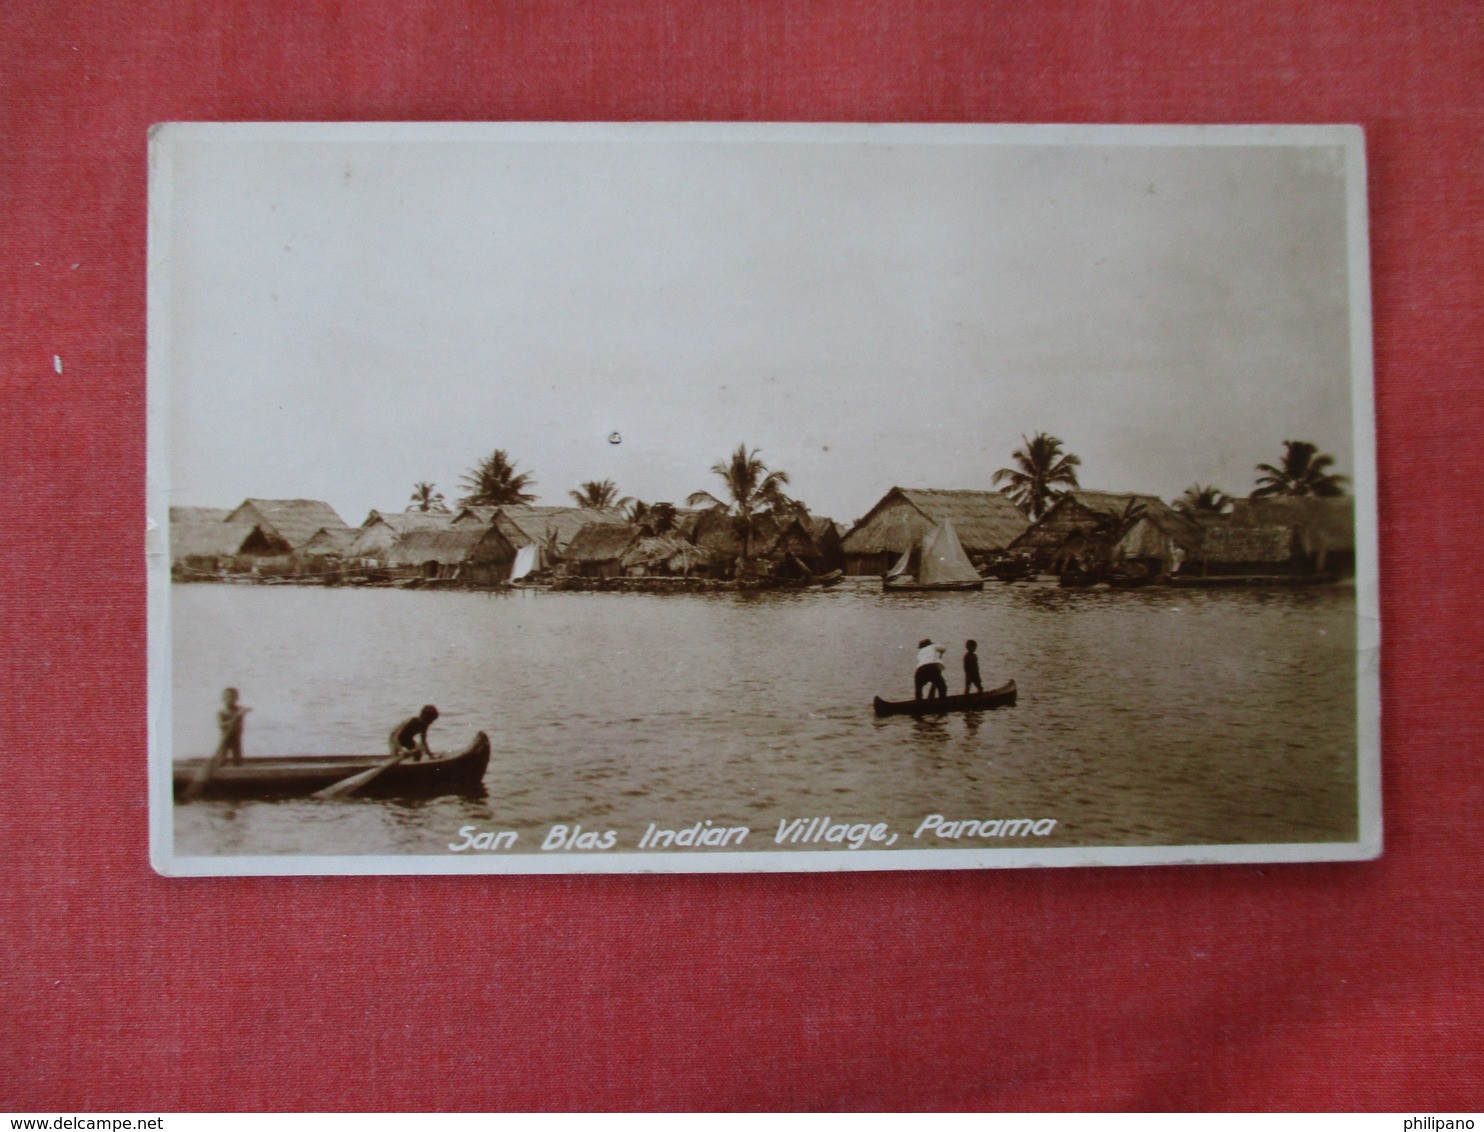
(535, 497)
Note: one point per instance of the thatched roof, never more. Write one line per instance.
(791, 537)
(329, 541)
(823, 530)
(668, 552)
(215, 539)
(526, 524)
(199, 514)
(600, 542)
(1227, 543)
(1155, 521)
(1114, 503)
(294, 520)
(446, 547)
(404, 521)
(530, 524)
(984, 520)
(1322, 524)
(478, 515)
(715, 530)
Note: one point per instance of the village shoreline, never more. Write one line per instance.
(671, 585)
(1085, 540)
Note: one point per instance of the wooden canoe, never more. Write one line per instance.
(912, 585)
(301, 776)
(1003, 696)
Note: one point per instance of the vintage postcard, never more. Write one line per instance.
(725, 497)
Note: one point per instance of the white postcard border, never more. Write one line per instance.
(1368, 844)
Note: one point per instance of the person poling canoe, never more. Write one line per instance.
(229, 749)
(409, 739)
(230, 719)
(929, 672)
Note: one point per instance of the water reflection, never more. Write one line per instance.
(1148, 716)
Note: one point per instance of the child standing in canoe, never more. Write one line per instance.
(971, 667)
(229, 719)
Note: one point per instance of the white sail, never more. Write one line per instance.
(943, 558)
(904, 564)
(525, 562)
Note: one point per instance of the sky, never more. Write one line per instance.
(339, 312)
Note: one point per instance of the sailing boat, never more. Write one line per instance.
(938, 562)
(525, 563)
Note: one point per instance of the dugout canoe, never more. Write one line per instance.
(1003, 696)
(301, 776)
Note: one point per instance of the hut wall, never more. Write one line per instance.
(874, 565)
(1232, 549)
(486, 573)
(198, 566)
(828, 554)
(271, 566)
(1239, 568)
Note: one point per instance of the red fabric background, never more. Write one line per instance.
(1354, 985)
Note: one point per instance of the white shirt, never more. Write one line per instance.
(930, 654)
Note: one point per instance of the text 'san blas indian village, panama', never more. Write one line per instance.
(625, 498)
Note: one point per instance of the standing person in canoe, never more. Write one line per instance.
(230, 720)
(929, 672)
(409, 738)
(971, 667)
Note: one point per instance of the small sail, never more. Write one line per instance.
(525, 562)
(943, 558)
(904, 564)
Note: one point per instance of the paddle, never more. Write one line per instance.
(208, 768)
(356, 781)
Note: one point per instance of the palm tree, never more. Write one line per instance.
(1304, 472)
(652, 519)
(426, 497)
(1041, 466)
(1199, 500)
(494, 482)
(599, 495)
(753, 491)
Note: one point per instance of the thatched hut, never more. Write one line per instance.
(294, 521)
(598, 549)
(1323, 528)
(549, 529)
(790, 550)
(219, 547)
(773, 541)
(668, 555)
(383, 528)
(1097, 528)
(986, 522)
(478, 557)
(829, 553)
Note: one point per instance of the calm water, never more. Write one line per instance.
(1145, 718)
